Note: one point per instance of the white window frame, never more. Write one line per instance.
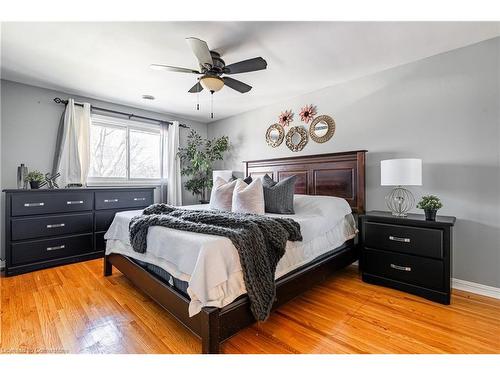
(128, 125)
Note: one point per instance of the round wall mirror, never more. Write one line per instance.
(322, 128)
(274, 135)
(296, 138)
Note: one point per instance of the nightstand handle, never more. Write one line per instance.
(401, 268)
(399, 239)
(74, 202)
(110, 200)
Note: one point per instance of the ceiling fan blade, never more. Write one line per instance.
(250, 65)
(236, 85)
(196, 88)
(173, 69)
(201, 51)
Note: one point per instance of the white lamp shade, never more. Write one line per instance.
(394, 172)
(226, 175)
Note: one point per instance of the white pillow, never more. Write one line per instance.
(222, 194)
(249, 198)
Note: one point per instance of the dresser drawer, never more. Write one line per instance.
(123, 199)
(100, 242)
(51, 202)
(103, 220)
(425, 272)
(404, 239)
(60, 247)
(54, 225)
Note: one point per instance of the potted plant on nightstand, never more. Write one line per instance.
(430, 204)
(35, 178)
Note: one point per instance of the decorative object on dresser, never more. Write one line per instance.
(409, 254)
(197, 160)
(35, 178)
(45, 228)
(22, 172)
(340, 175)
(275, 135)
(399, 173)
(322, 129)
(430, 204)
(296, 138)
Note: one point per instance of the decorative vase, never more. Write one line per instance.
(430, 214)
(34, 184)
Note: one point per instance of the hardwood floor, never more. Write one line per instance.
(75, 309)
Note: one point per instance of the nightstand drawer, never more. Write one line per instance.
(428, 273)
(405, 239)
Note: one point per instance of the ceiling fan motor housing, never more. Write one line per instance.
(218, 66)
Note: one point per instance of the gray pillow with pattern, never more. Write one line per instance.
(278, 196)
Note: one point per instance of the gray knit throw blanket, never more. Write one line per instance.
(260, 241)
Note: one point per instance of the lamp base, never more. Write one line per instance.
(399, 201)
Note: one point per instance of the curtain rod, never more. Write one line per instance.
(129, 115)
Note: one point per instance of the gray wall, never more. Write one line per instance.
(29, 122)
(443, 109)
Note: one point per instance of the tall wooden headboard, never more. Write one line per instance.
(340, 174)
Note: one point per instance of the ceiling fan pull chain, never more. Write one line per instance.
(211, 104)
(197, 101)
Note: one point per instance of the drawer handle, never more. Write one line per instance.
(74, 202)
(399, 239)
(56, 248)
(139, 199)
(401, 268)
(55, 225)
(110, 200)
(38, 204)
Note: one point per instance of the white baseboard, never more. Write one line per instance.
(483, 290)
(469, 286)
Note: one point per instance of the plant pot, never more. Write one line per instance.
(35, 184)
(430, 214)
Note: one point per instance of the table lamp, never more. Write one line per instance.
(399, 173)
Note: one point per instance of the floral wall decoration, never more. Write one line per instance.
(286, 118)
(307, 113)
(321, 129)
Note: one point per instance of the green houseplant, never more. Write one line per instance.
(430, 204)
(35, 178)
(197, 160)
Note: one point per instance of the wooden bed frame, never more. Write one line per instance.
(340, 174)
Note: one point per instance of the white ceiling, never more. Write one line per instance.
(110, 61)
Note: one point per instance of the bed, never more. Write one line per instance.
(206, 293)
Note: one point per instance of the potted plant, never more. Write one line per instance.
(35, 178)
(197, 160)
(430, 204)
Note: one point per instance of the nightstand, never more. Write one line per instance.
(408, 253)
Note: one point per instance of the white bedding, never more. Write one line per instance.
(210, 264)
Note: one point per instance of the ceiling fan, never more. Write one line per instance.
(212, 67)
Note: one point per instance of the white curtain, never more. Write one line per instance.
(72, 156)
(171, 188)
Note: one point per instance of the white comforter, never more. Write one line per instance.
(210, 264)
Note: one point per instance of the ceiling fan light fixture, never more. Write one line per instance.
(212, 83)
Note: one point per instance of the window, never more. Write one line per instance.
(124, 151)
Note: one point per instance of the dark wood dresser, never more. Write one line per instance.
(410, 253)
(45, 228)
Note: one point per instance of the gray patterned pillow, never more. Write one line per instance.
(278, 196)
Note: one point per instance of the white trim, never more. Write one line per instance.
(469, 286)
(481, 289)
